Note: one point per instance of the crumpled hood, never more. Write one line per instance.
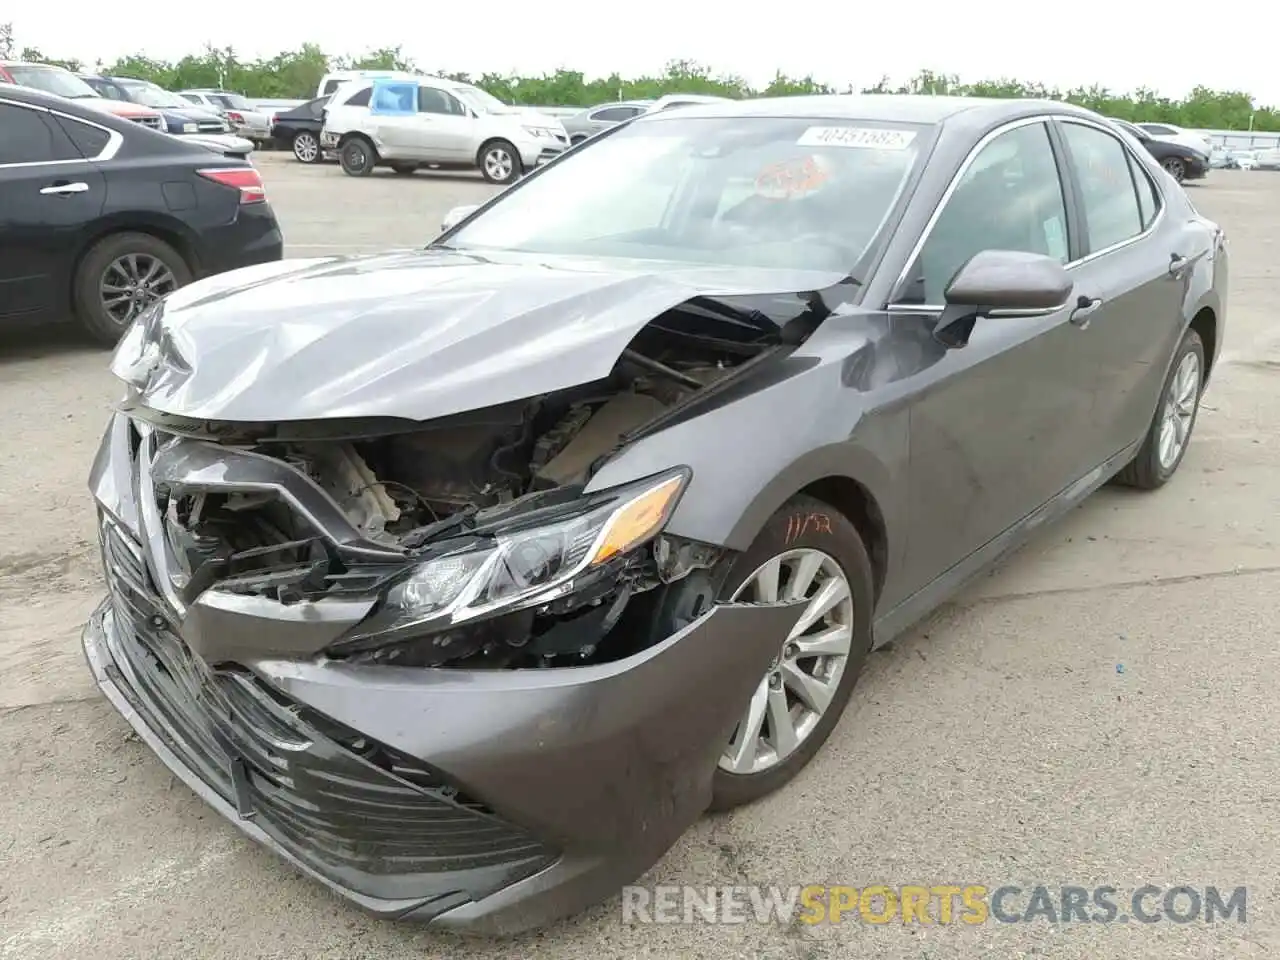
(416, 335)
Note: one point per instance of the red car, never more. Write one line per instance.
(63, 83)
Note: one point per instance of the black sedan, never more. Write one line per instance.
(1178, 160)
(299, 130)
(100, 217)
(467, 578)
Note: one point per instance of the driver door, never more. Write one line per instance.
(995, 432)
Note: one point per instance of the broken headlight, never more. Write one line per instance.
(530, 565)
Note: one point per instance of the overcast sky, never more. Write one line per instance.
(1171, 46)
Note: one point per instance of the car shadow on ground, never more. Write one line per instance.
(20, 343)
(423, 175)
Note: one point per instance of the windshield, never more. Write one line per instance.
(52, 80)
(150, 95)
(481, 100)
(765, 192)
(233, 101)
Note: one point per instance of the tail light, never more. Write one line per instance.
(245, 179)
(235, 117)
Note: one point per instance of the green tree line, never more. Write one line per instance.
(296, 74)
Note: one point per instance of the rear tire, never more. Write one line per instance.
(103, 276)
(306, 147)
(803, 529)
(1175, 168)
(500, 162)
(1176, 414)
(358, 157)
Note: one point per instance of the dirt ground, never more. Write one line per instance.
(1100, 711)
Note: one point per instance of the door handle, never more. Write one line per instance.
(1085, 309)
(1178, 265)
(63, 189)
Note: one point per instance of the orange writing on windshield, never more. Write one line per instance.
(790, 178)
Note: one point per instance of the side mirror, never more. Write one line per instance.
(457, 215)
(1006, 282)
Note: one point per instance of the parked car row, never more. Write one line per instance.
(406, 122)
(367, 119)
(1181, 158)
(189, 112)
(103, 215)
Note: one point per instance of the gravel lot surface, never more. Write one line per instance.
(1096, 712)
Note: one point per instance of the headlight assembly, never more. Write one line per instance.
(139, 348)
(530, 565)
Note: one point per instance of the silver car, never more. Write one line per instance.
(591, 121)
(246, 120)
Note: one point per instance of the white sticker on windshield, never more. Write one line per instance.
(866, 138)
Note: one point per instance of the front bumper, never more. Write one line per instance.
(538, 151)
(482, 801)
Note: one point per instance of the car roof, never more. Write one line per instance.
(901, 108)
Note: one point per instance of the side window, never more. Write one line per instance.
(192, 98)
(431, 100)
(360, 98)
(330, 86)
(612, 114)
(29, 137)
(1111, 210)
(90, 141)
(316, 107)
(1158, 130)
(1009, 198)
(393, 99)
(1148, 195)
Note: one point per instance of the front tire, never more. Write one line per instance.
(404, 169)
(358, 157)
(121, 276)
(306, 147)
(1169, 435)
(1175, 168)
(500, 162)
(806, 549)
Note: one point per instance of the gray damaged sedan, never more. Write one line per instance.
(467, 578)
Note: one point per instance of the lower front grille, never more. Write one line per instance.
(381, 825)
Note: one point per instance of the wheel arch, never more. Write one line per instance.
(1205, 323)
(489, 141)
(856, 503)
(167, 231)
(851, 480)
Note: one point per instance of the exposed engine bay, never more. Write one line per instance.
(419, 489)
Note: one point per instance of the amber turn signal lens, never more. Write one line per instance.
(637, 521)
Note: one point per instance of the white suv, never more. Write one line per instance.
(427, 121)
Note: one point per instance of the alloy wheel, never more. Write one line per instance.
(1181, 399)
(1175, 168)
(132, 283)
(306, 148)
(799, 685)
(499, 164)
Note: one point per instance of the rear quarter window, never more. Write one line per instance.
(359, 98)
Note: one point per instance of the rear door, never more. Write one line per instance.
(393, 117)
(49, 195)
(1130, 264)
